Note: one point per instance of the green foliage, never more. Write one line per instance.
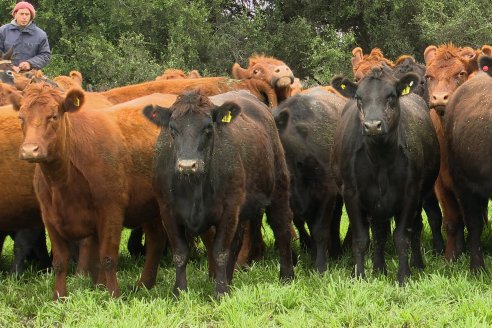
(453, 21)
(125, 41)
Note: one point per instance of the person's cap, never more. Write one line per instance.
(24, 5)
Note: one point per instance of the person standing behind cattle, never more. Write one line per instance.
(30, 43)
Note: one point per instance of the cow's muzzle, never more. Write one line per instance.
(31, 153)
(373, 127)
(188, 166)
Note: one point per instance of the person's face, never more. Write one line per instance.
(22, 17)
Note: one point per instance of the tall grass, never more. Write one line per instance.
(444, 294)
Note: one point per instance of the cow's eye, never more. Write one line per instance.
(173, 131)
(256, 72)
(429, 78)
(53, 118)
(21, 120)
(462, 74)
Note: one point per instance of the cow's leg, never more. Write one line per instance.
(179, 247)
(304, 237)
(224, 236)
(381, 231)
(208, 240)
(475, 213)
(88, 257)
(109, 236)
(279, 217)
(320, 231)
(134, 245)
(155, 241)
(41, 251)
(335, 246)
(23, 244)
(434, 217)
(61, 256)
(402, 235)
(453, 221)
(416, 260)
(235, 248)
(359, 233)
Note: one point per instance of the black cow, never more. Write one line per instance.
(468, 132)
(404, 65)
(219, 162)
(386, 160)
(485, 64)
(29, 248)
(307, 125)
(6, 74)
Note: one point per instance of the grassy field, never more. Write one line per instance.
(443, 294)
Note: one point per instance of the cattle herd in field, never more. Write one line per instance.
(186, 156)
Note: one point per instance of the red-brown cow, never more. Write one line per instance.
(208, 85)
(92, 175)
(171, 74)
(362, 64)
(447, 68)
(468, 127)
(270, 70)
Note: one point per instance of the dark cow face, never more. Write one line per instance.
(43, 122)
(192, 122)
(408, 65)
(447, 68)
(377, 97)
(6, 73)
(485, 64)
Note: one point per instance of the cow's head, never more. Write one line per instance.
(485, 64)
(447, 67)
(192, 122)
(6, 68)
(377, 96)
(363, 64)
(42, 114)
(271, 70)
(406, 64)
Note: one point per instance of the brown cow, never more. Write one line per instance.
(74, 79)
(468, 127)
(447, 68)
(208, 85)
(92, 175)
(362, 64)
(270, 70)
(170, 74)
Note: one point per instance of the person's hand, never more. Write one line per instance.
(16, 69)
(24, 66)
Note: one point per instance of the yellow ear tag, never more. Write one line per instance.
(227, 118)
(343, 86)
(76, 102)
(406, 91)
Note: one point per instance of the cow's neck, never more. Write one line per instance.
(382, 149)
(283, 93)
(57, 170)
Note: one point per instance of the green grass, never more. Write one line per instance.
(444, 294)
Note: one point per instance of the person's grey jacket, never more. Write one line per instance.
(30, 44)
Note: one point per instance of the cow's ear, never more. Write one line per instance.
(429, 54)
(345, 87)
(239, 73)
(407, 83)
(226, 113)
(486, 50)
(156, 114)
(485, 63)
(73, 100)
(16, 100)
(358, 56)
(281, 118)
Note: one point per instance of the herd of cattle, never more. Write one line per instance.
(186, 156)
